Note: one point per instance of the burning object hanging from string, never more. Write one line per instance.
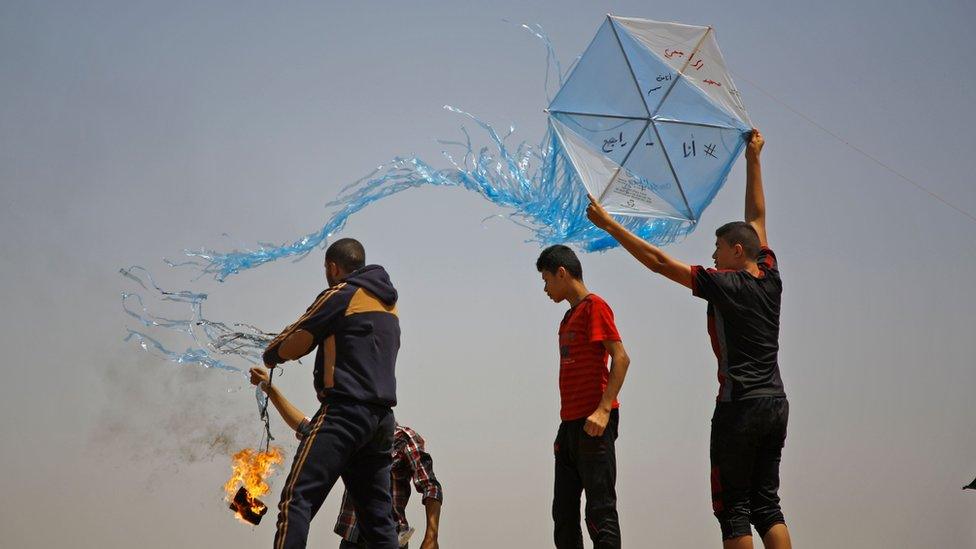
(252, 468)
(248, 482)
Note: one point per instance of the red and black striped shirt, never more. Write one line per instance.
(583, 372)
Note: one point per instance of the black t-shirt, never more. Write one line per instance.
(743, 323)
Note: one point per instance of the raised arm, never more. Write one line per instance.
(648, 254)
(755, 198)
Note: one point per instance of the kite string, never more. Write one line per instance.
(264, 411)
(856, 148)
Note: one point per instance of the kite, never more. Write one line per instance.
(651, 119)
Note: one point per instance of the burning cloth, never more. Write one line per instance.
(248, 482)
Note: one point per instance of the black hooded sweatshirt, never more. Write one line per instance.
(361, 313)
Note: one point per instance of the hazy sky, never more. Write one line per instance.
(130, 131)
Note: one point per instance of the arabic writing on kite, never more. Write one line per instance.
(612, 143)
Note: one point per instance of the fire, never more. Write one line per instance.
(247, 482)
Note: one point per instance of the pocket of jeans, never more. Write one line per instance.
(593, 447)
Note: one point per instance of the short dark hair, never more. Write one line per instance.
(554, 257)
(347, 253)
(740, 232)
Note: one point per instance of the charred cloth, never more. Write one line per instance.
(247, 508)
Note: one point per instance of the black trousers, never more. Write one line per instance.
(746, 447)
(354, 441)
(586, 464)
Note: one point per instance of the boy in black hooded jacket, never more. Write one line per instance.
(355, 329)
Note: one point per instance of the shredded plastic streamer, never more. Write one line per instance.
(207, 339)
(538, 186)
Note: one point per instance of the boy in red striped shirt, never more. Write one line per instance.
(584, 447)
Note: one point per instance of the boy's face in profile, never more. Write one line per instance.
(727, 256)
(555, 284)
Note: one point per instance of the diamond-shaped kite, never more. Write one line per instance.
(650, 118)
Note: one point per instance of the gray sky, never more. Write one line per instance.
(130, 132)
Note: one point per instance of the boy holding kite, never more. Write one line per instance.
(743, 292)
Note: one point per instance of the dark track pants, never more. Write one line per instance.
(586, 464)
(349, 440)
(746, 446)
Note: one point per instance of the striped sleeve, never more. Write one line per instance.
(318, 321)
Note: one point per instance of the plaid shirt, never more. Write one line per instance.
(411, 462)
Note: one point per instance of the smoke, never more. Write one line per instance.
(169, 418)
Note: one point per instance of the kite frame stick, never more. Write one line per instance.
(703, 124)
(691, 213)
(573, 113)
(647, 122)
(633, 77)
(681, 71)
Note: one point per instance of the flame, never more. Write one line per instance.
(251, 468)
